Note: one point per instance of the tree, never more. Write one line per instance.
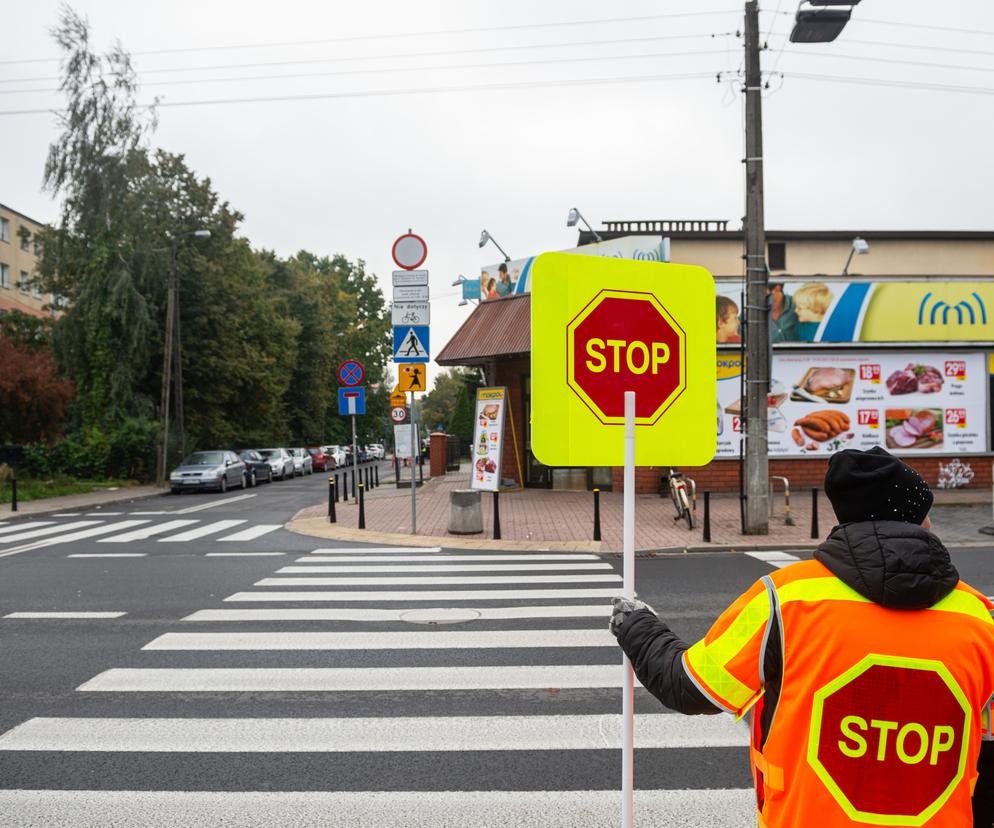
(439, 404)
(32, 397)
(462, 420)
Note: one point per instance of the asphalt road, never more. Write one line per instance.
(324, 692)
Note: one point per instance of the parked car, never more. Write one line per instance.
(360, 450)
(258, 469)
(376, 451)
(280, 461)
(337, 452)
(208, 470)
(322, 462)
(302, 463)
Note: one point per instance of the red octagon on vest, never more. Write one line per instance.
(626, 341)
(889, 739)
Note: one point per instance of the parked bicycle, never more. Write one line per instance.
(680, 493)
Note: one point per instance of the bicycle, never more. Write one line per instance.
(681, 498)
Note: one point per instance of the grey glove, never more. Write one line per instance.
(621, 608)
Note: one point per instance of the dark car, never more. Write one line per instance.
(322, 462)
(363, 455)
(257, 469)
(215, 470)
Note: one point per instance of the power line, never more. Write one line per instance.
(891, 44)
(352, 72)
(899, 84)
(358, 38)
(927, 26)
(435, 53)
(895, 61)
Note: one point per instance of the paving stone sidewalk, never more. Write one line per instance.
(564, 519)
(78, 502)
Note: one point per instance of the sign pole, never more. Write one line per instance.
(414, 482)
(355, 455)
(628, 691)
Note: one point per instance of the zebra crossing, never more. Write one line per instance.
(370, 696)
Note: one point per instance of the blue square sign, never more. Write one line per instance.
(410, 343)
(352, 400)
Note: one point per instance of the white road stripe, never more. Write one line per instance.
(107, 555)
(49, 530)
(774, 558)
(212, 505)
(551, 567)
(376, 550)
(15, 526)
(104, 514)
(427, 640)
(252, 532)
(147, 531)
(715, 808)
(158, 512)
(75, 615)
(366, 735)
(349, 679)
(453, 558)
(442, 579)
(201, 531)
(426, 595)
(358, 614)
(66, 514)
(244, 554)
(72, 536)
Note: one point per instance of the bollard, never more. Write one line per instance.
(13, 494)
(496, 515)
(332, 497)
(376, 475)
(362, 509)
(342, 486)
(353, 481)
(788, 518)
(597, 514)
(814, 515)
(707, 517)
(421, 469)
(369, 478)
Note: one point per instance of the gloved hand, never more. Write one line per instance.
(621, 608)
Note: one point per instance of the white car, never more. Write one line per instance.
(280, 461)
(376, 451)
(302, 461)
(337, 452)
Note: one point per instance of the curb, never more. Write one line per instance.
(8, 515)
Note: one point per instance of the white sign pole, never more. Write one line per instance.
(415, 450)
(355, 458)
(628, 691)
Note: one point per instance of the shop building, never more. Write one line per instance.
(888, 341)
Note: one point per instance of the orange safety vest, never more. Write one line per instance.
(878, 713)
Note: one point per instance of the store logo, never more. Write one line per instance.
(972, 309)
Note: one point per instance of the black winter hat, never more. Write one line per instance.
(875, 485)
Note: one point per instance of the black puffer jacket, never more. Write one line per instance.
(897, 565)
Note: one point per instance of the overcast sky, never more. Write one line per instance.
(347, 174)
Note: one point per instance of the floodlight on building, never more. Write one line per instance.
(459, 281)
(821, 23)
(575, 216)
(486, 237)
(859, 247)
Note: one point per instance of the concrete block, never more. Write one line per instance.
(465, 512)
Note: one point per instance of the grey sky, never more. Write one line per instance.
(349, 174)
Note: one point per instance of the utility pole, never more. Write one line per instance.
(167, 368)
(756, 311)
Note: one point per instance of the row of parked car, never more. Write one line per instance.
(221, 470)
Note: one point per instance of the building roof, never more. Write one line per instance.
(21, 215)
(498, 327)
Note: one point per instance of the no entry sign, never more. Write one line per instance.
(601, 327)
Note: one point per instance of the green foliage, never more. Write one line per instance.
(30, 488)
(439, 404)
(30, 333)
(91, 454)
(33, 398)
(462, 419)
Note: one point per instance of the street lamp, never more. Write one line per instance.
(169, 358)
(860, 247)
(574, 216)
(822, 23)
(486, 237)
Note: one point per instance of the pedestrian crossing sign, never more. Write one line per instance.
(410, 343)
(412, 377)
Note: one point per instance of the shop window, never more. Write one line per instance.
(776, 255)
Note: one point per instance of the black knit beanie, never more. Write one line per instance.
(875, 485)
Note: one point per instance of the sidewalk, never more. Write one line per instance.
(563, 520)
(77, 502)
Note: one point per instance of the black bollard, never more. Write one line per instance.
(353, 481)
(815, 534)
(597, 514)
(369, 478)
(376, 475)
(332, 497)
(362, 509)
(496, 515)
(13, 494)
(707, 517)
(421, 468)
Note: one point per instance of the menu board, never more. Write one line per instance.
(926, 402)
(488, 438)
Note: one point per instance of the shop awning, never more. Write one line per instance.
(497, 328)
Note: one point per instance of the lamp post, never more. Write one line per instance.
(172, 355)
(859, 246)
(574, 216)
(486, 237)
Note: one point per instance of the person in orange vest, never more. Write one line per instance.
(867, 673)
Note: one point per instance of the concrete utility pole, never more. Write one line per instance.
(756, 311)
(167, 367)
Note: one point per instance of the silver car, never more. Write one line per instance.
(280, 461)
(215, 470)
(302, 461)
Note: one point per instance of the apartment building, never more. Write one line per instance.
(20, 247)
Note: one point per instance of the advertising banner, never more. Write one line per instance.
(402, 441)
(488, 438)
(837, 311)
(926, 402)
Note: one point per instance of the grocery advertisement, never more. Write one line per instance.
(928, 402)
(488, 438)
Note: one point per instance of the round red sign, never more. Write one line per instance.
(398, 414)
(409, 251)
(626, 341)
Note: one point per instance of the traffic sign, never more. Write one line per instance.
(410, 277)
(351, 372)
(410, 343)
(352, 400)
(409, 251)
(411, 313)
(601, 327)
(398, 414)
(412, 377)
(889, 739)
(398, 397)
(410, 293)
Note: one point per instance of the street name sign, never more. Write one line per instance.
(410, 277)
(603, 326)
(410, 293)
(410, 343)
(411, 313)
(412, 377)
(352, 400)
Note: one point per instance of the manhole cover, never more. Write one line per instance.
(439, 616)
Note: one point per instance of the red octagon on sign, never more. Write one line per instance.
(626, 341)
(889, 739)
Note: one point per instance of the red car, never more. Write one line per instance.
(322, 462)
